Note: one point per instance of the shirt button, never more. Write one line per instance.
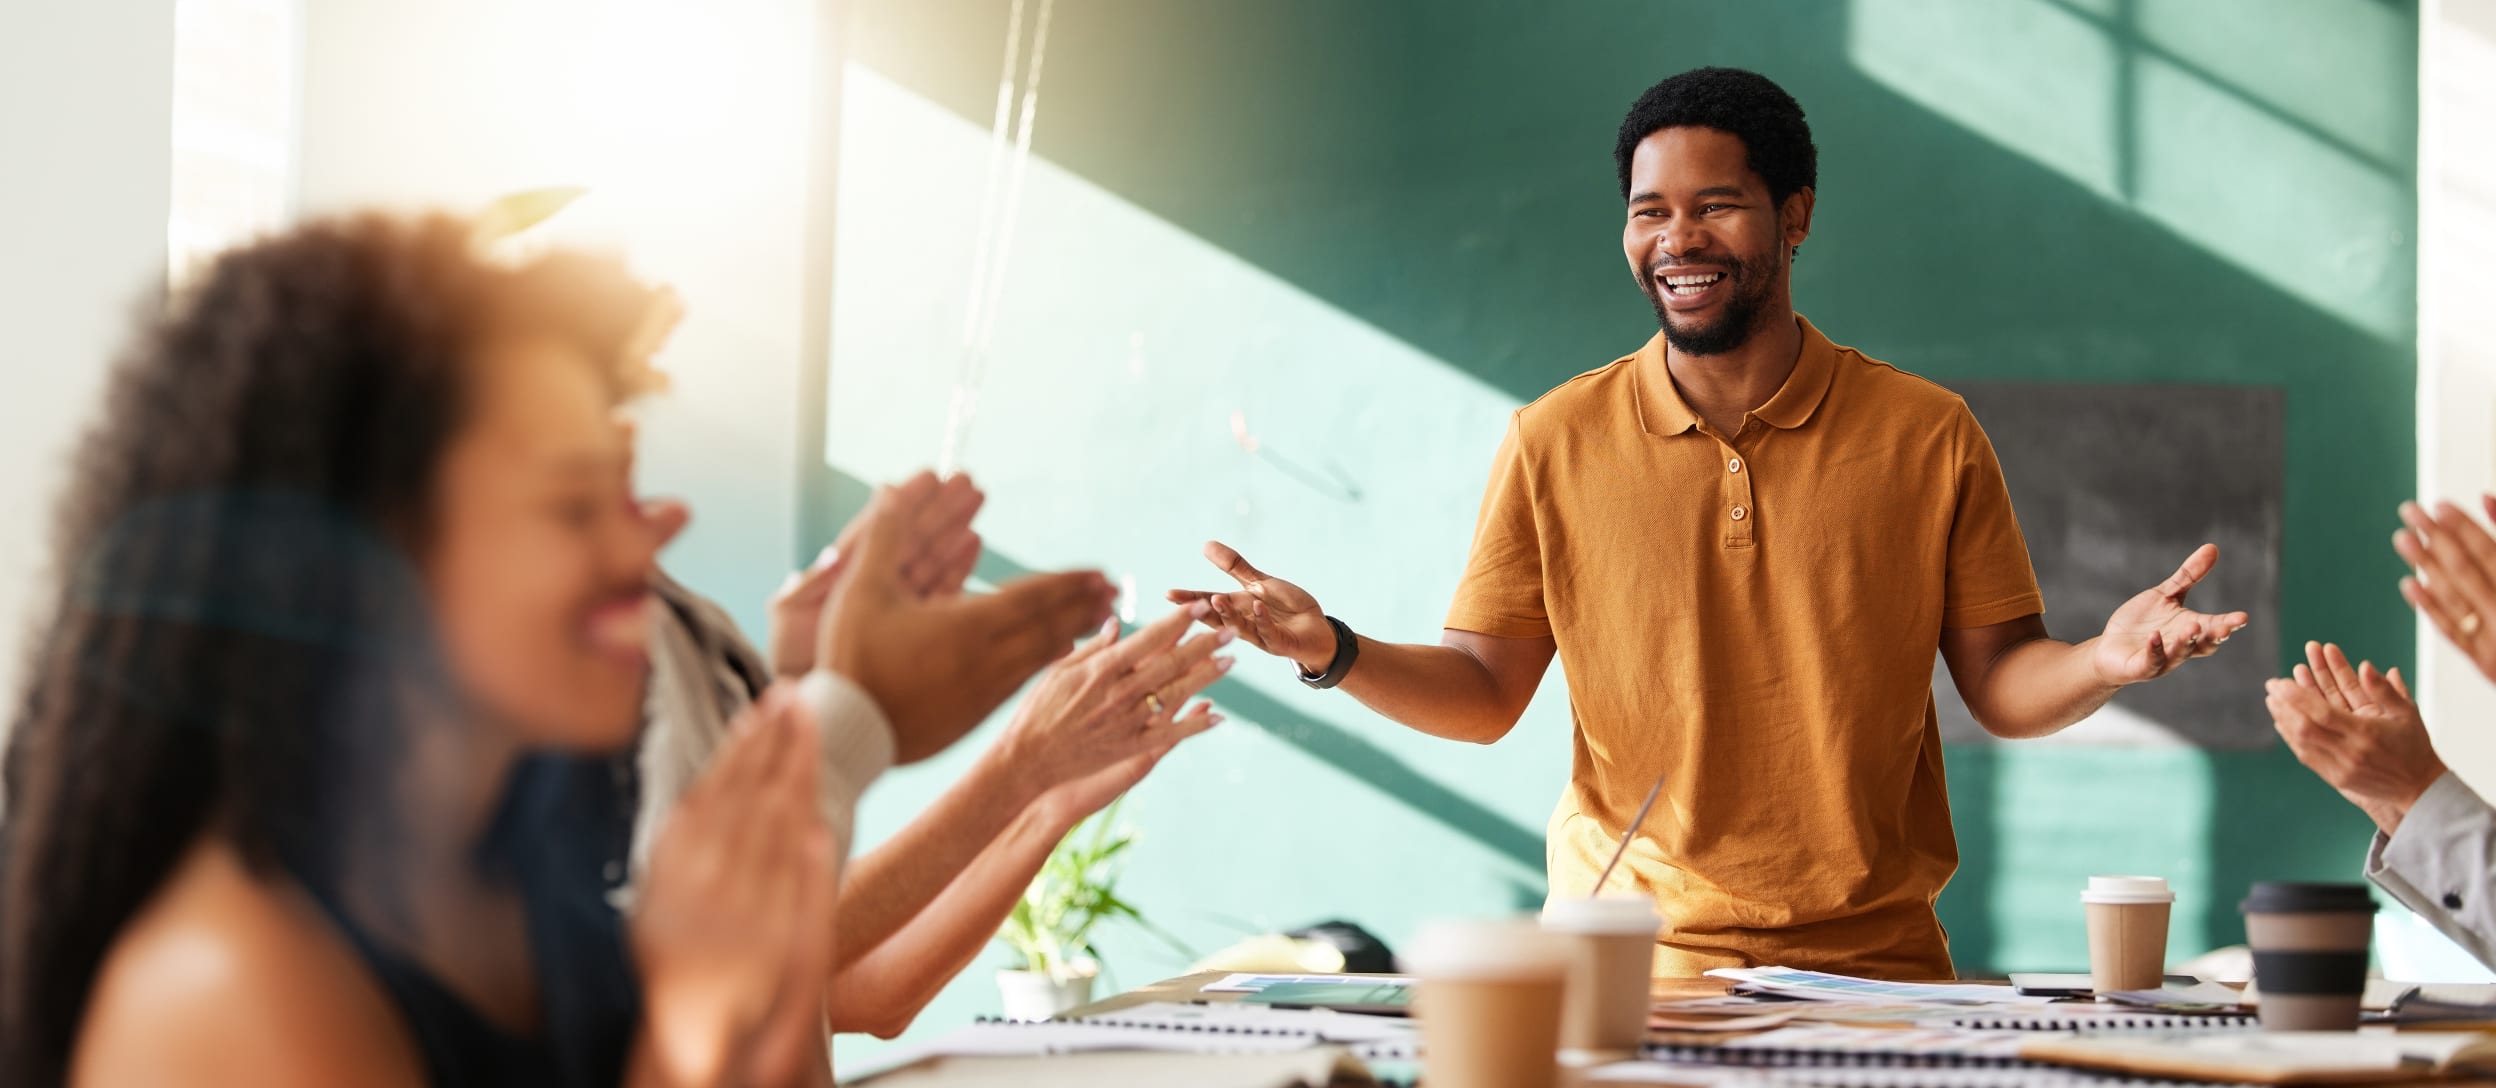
(1739, 513)
(1733, 465)
(2452, 900)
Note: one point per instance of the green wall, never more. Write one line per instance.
(1358, 233)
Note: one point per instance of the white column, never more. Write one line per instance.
(2457, 335)
(86, 149)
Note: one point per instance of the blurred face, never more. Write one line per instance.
(540, 564)
(1707, 245)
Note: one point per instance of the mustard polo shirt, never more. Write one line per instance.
(1754, 617)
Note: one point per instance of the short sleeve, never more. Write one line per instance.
(1502, 590)
(1989, 580)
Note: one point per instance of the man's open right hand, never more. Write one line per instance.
(1269, 613)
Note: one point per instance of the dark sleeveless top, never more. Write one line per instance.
(560, 835)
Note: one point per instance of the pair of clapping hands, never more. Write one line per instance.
(2357, 726)
(733, 924)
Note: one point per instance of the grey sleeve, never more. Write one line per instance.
(2441, 863)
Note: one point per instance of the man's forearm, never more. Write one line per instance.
(883, 992)
(884, 888)
(1444, 691)
(2038, 687)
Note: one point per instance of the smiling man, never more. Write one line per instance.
(1745, 543)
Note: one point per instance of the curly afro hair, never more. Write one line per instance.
(1747, 104)
(232, 611)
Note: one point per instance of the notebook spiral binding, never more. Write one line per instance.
(1182, 1029)
(2090, 1024)
(2049, 1077)
(1389, 1050)
(1735, 1054)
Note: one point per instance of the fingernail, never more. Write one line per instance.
(827, 555)
(1225, 635)
(1212, 720)
(1223, 664)
(1198, 610)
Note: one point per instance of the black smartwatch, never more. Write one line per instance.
(1347, 649)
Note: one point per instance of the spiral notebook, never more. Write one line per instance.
(1834, 1046)
(1175, 1028)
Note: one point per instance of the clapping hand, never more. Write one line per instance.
(938, 551)
(2455, 581)
(938, 665)
(728, 928)
(1100, 719)
(2359, 729)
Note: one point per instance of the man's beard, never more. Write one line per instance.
(1734, 324)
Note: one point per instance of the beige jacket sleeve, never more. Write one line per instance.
(697, 661)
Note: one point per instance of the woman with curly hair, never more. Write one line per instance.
(321, 770)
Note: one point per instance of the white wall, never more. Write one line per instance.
(86, 108)
(687, 122)
(2457, 335)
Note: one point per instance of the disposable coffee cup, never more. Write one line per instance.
(2127, 932)
(1489, 1002)
(1610, 942)
(2309, 953)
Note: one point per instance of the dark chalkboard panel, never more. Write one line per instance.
(2115, 485)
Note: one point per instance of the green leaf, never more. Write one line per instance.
(1073, 893)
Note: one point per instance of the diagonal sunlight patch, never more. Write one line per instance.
(2027, 75)
(2278, 194)
(2266, 51)
(1149, 391)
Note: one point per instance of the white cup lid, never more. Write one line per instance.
(2116, 890)
(1484, 948)
(1603, 914)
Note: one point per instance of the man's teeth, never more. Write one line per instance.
(1691, 285)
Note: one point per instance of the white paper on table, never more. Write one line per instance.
(1250, 983)
(1822, 986)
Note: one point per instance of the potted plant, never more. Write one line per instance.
(1050, 931)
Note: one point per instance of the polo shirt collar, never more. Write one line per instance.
(1807, 386)
(1793, 405)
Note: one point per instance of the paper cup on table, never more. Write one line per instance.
(2127, 932)
(1610, 942)
(2309, 953)
(1489, 1003)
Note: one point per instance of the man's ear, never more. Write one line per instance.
(1794, 217)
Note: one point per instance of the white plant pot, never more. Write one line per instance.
(1038, 995)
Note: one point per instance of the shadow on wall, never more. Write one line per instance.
(2090, 191)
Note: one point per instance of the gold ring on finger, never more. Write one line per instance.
(2469, 625)
(1152, 702)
